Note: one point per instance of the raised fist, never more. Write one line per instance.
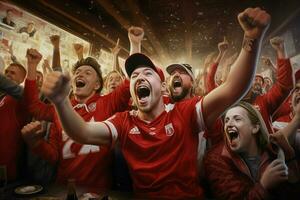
(56, 86)
(78, 50)
(33, 132)
(277, 43)
(254, 22)
(223, 46)
(135, 34)
(33, 57)
(55, 40)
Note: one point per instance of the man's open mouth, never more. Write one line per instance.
(142, 91)
(80, 83)
(177, 84)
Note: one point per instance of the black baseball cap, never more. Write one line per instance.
(140, 60)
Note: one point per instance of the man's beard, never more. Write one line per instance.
(181, 96)
(257, 90)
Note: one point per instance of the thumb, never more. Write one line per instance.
(280, 155)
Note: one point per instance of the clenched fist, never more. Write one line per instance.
(254, 22)
(33, 57)
(33, 132)
(55, 40)
(277, 43)
(135, 34)
(56, 86)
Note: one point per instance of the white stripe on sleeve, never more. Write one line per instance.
(200, 119)
(113, 130)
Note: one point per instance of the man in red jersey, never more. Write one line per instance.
(13, 117)
(90, 165)
(160, 145)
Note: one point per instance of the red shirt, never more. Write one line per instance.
(268, 103)
(90, 165)
(210, 82)
(162, 154)
(13, 117)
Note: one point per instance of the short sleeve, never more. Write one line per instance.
(115, 124)
(191, 110)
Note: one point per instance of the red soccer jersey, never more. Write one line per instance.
(268, 103)
(162, 154)
(13, 117)
(90, 165)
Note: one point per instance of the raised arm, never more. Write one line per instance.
(223, 47)
(57, 87)
(254, 22)
(284, 78)
(210, 78)
(135, 35)
(33, 59)
(278, 44)
(78, 50)
(115, 52)
(56, 66)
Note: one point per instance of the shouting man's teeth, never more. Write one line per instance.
(80, 83)
(176, 83)
(143, 91)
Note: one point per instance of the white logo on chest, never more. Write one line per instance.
(84, 150)
(169, 129)
(134, 131)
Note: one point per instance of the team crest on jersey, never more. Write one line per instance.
(92, 107)
(134, 131)
(169, 129)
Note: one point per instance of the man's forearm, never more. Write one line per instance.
(72, 123)
(79, 130)
(244, 68)
(135, 48)
(56, 66)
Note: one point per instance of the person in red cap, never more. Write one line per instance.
(160, 143)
